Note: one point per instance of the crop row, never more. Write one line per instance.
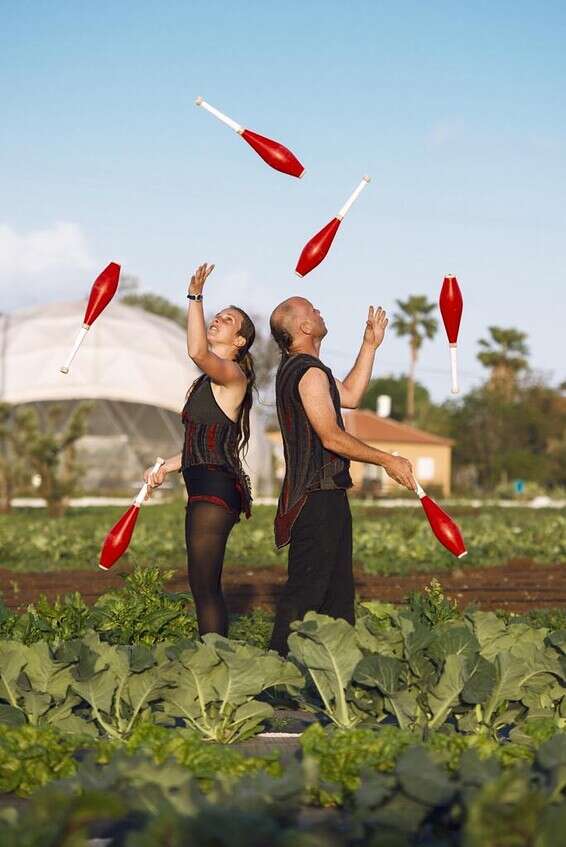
(382, 789)
(420, 668)
(383, 543)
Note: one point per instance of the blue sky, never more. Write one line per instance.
(457, 110)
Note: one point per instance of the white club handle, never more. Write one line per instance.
(143, 490)
(454, 369)
(81, 335)
(200, 101)
(352, 198)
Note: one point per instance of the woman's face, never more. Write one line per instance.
(224, 328)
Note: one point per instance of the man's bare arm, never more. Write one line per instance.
(353, 387)
(314, 391)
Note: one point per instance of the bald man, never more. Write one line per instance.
(313, 514)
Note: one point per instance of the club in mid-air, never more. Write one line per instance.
(272, 152)
(103, 290)
(118, 539)
(316, 249)
(451, 305)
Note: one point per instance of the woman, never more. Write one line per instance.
(217, 430)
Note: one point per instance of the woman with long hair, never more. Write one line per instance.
(216, 417)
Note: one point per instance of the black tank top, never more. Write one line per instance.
(211, 437)
(309, 466)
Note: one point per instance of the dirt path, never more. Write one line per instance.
(518, 586)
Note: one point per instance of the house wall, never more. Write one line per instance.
(419, 455)
(440, 454)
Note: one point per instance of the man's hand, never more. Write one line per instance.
(376, 325)
(401, 470)
(199, 278)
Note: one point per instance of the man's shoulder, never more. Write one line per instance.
(303, 362)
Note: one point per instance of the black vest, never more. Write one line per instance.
(211, 438)
(309, 466)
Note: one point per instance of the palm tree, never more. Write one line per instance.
(414, 319)
(504, 353)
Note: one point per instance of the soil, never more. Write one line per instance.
(518, 586)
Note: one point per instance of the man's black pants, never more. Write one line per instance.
(320, 574)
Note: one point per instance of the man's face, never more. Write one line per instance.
(311, 315)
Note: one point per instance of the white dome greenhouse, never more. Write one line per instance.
(132, 366)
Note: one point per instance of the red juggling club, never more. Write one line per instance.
(442, 525)
(451, 305)
(118, 539)
(272, 152)
(102, 291)
(316, 249)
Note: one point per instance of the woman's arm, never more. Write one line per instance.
(221, 371)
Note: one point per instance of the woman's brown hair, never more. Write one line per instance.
(246, 362)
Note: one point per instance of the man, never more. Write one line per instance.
(313, 514)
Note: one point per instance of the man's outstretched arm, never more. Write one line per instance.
(314, 391)
(353, 387)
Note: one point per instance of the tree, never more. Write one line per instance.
(414, 320)
(14, 470)
(51, 453)
(504, 353)
(506, 437)
(396, 388)
(157, 305)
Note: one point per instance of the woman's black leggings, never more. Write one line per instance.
(207, 527)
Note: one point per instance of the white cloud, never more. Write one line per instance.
(61, 246)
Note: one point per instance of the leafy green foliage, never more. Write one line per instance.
(402, 794)
(217, 683)
(140, 613)
(431, 606)
(425, 668)
(254, 628)
(384, 542)
(327, 652)
(204, 760)
(143, 612)
(31, 757)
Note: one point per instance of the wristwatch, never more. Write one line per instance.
(195, 296)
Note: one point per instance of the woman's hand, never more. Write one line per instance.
(154, 479)
(199, 278)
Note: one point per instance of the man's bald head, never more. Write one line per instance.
(294, 319)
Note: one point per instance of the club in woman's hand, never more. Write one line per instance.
(153, 479)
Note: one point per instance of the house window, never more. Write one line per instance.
(425, 468)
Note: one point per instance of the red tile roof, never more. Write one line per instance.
(367, 426)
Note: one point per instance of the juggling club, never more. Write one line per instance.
(316, 249)
(442, 525)
(451, 305)
(272, 152)
(103, 290)
(118, 539)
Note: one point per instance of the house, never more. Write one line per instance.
(431, 455)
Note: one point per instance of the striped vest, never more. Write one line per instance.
(309, 466)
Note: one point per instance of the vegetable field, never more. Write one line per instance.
(436, 723)
(419, 726)
(392, 542)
